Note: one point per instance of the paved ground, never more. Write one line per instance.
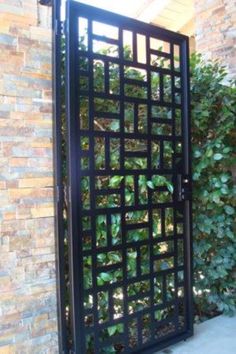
(215, 336)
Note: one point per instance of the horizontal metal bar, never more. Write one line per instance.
(126, 208)
(107, 268)
(137, 154)
(105, 39)
(140, 225)
(162, 120)
(135, 82)
(107, 115)
(164, 255)
(141, 136)
(135, 172)
(159, 53)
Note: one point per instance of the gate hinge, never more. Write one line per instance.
(45, 2)
(60, 27)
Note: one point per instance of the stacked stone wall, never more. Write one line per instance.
(216, 31)
(28, 314)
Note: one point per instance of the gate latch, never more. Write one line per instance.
(183, 188)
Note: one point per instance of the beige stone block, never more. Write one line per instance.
(6, 349)
(15, 19)
(42, 212)
(2, 185)
(9, 216)
(18, 161)
(43, 144)
(12, 184)
(36, 182)
(40, 34)
(16, 193)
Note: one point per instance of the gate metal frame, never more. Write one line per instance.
(58, 174)
(75, 253)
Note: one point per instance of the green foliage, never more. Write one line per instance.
(213, 138)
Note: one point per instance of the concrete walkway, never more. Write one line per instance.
(215, 336)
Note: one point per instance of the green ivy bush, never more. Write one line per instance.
(213, 144)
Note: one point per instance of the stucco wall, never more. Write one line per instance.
(215, 22)
(28, 322)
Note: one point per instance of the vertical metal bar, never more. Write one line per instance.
(138, 261)
(135, 47)
(58, 175)
(149, 176)
(185, 81)
(75, 232)
(107, 152)
(136, 117)
(106, 77)
(122, 186)
(175, 202)
(161, 160)
(92, 182)
(163, 229)
(161, 88)
(136, 190)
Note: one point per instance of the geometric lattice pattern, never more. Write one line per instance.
(129, 113)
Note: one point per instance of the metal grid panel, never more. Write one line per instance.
(128, 140)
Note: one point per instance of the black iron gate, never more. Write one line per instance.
(129, 183)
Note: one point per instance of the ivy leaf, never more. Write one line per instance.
(111, 330)
(197, 153)
(105, 277)
(224, 190)
(224, 178)
(100, 281)
(217, 156)
(209, 153)
(229, 210)
(226, 150)
(115, 257)
(115, 125)
(115, 181)
(170, 187)
(150, 184)
(101, 219)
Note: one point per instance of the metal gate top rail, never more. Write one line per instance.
(129, 183)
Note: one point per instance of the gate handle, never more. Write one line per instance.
(183, 190)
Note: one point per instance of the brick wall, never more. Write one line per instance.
(216, 31)
(28, 322)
